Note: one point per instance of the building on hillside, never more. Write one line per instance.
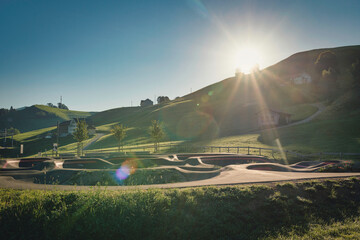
(146, 103)
(68, 127)
(271, 118)
(302, 78)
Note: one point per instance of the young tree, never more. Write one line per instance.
(119, 132)
(13, 131)
(156, 132)
(80, 135)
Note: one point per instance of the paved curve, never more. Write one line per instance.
(320, 106)
(93, 140)
(233, 174)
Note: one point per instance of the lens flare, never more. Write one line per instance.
(283, 155)
(126, 169)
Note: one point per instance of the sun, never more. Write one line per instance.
(248, 59)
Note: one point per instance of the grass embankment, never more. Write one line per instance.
(285, 210)
(325, 135)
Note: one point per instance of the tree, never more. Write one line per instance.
(328, 82)
(80, 135)
(326, 60)
(51, 105)
(4, 111)
(119, 132)
(156, 132)
(355, 71)
(62, 106)
(13, 131)
(163, 99)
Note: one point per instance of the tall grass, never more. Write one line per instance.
(229, 212)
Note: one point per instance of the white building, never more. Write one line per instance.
(68, 127)
(302, 78)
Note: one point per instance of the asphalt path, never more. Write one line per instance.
(230, 175)
(93, 140)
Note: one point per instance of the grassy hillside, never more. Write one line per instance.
(38, 117)
(229, 107)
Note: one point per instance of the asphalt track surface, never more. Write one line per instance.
(232, 174)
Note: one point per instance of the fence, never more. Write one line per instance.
(271, 153)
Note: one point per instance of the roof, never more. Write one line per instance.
(66, 123)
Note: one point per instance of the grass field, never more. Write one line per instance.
(287, 210)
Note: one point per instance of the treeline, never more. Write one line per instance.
(5, 111)
(331, 77)
(59, 105)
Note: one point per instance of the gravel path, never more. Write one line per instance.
(97, 137)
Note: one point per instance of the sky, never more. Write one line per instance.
(100, 55)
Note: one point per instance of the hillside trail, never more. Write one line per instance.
(319, 105)
(93, 140)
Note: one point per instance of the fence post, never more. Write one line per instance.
(228, 149)
(248, 150)
(259, 151)
(237, 150)
(211, 149)
(219, 149)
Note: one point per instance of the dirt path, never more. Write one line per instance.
(93, 140)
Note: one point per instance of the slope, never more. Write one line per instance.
(37, 117)
(229, 107)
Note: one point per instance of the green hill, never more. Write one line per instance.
(37, 117)
(229, 107)
(224, 113)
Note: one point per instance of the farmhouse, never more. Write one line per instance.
(302, 78)
(270, 118)
(68, 127)
(145, 103)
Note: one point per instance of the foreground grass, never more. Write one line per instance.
(348, 229)
(285, 210)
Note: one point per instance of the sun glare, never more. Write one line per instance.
(248, 59)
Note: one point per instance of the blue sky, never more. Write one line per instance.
(106, 54)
